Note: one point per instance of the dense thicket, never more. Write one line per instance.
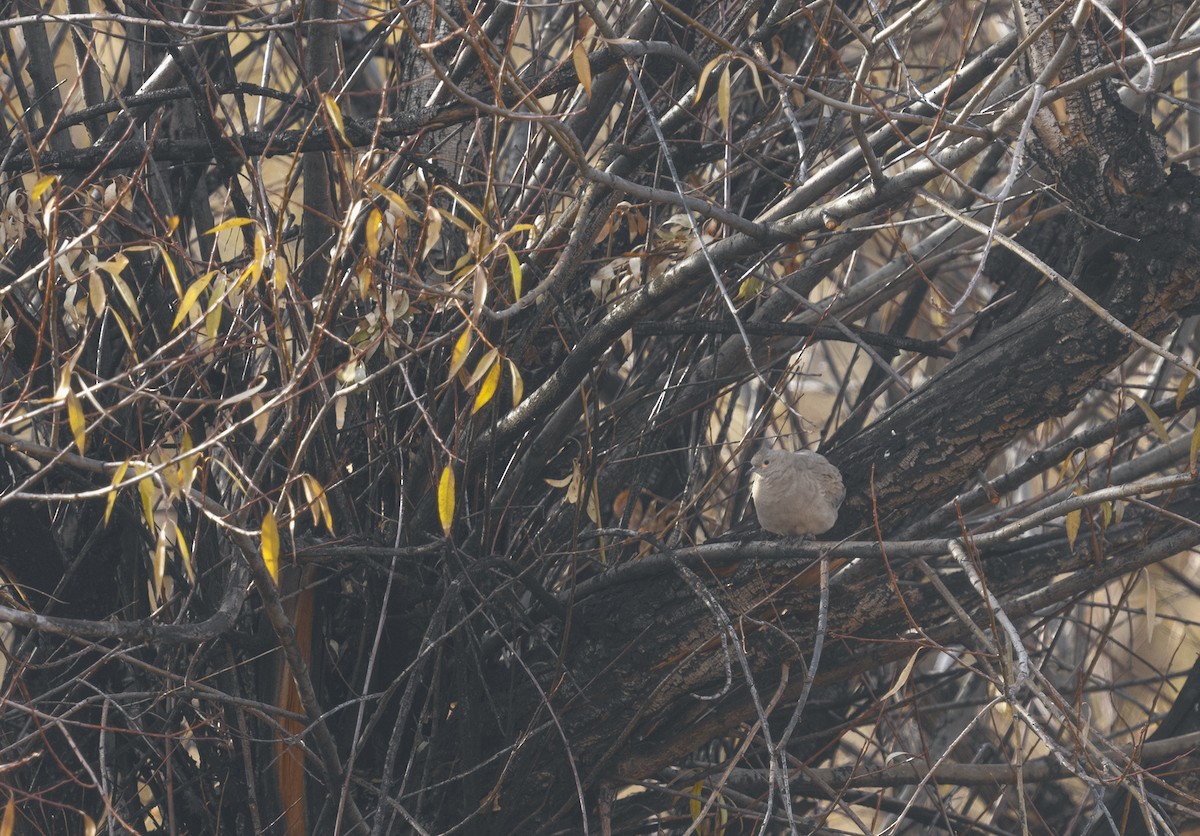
(377, 383)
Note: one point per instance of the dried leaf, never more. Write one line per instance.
(901, 679)
(78, 423)
(191, 297)
(466, 204)
(1074, 518)
(433, 230)
(318, 502)
(97, 296)
(723, 96)
(750, 65)
(483, 366)
(1151, 616)
(479, 289)
(1184, 385)
(395, 199)
(127, 295)
(446, 499)
(708, 68)
(1194, 447)
(518, 385)
(270, 545)
(335, 115)
(1160, 429)
(583, 67)
(158, 565)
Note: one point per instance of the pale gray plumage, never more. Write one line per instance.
(795, 493)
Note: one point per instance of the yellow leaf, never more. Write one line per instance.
(488, 389)
(232, 223)
(583, 67)
(696, 800)
(749, 289)
(171, 271)
(518, 385)
(462, 347)
(212, 320)
(185, 553)
(374, 222)
(189, 299)
(187, 466)
(112, 490)
(514, 267)
(1156, 422)
(708, 68)
(335, 115)
(446, 499)
(9, 822)
(127, 294)
(723, 94)
(1181, 392)
(270, 545)
(77, 422)
(40, 187)
(1194, 447)
(260, 254)
(172, 224)
(148, 492)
